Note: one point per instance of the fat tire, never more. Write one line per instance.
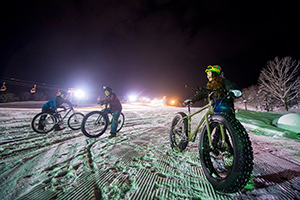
(84, 125)
(35, 122)
(122, 116)
(176, 144)
(79, 116)
(242, 165)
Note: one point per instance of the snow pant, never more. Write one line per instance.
(114, 121)
(224, 107)
(42, 119)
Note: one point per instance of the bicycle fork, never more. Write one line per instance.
(209, 132)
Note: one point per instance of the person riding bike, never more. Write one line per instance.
(51, 106)
(221, 103)
(216, 81)
(115, 108)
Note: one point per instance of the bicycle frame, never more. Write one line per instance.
(105, 112)
(62, 118)
(210, 111)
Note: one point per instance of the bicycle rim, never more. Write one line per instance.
(228, 164)
(121, 121)
(74, 121)
(94, 124)
(43, 123)
(221, 157)
(178, 133)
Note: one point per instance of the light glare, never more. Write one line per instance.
(132, 98)
(79, 93)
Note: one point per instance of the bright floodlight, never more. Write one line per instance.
(79, 93)
(132, 98)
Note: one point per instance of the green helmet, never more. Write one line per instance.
(213, 68)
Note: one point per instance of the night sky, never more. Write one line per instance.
(147, 47)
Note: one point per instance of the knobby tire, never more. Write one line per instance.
(236, 154)
(179, 132)
(74, 121)
(94, 124)
(48, 122)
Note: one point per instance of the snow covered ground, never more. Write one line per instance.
(138, 164)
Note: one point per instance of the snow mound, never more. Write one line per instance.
(290, 122)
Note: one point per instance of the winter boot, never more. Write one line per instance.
(112, 135)
(41, 127)
(57, 127)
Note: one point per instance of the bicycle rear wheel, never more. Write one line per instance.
(43, 122)
(227, 164)
(179, 132)
(94, 124)
(121, 121)
(74, 121)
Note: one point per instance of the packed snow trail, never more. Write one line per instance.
(138, 164)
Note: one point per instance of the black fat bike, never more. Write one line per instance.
(46, 122)
(224, 146)
(95, 123)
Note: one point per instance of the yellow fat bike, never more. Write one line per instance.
(224, 146)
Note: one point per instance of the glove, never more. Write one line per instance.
(187, 102)
(63, 107)
(101, 103)
(235, 93)
(55, 114)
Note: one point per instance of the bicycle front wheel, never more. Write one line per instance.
(228, 163)
(179, 132)
(74, 121)
(94, 124)
(43, 122)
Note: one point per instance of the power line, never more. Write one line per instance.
(24, 83)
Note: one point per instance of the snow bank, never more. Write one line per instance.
(290, 122)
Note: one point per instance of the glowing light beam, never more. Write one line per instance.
(79, 93)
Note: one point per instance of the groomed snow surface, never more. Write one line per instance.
(138, 164)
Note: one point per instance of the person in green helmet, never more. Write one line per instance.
(222, 103)
(216, 81)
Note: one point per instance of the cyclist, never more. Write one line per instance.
(216, 81)
(115, 108)
(51, 106)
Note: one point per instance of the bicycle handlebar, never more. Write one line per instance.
(193, 87)
(234, 93)
(63, 107)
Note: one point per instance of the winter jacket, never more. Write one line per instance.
(220, 105)
(113, 102)
(55, 103)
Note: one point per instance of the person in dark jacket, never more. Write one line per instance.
(216, 81)
(56, 102)
(114, 107)
(51, 106)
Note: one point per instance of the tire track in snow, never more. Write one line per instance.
(138, 164)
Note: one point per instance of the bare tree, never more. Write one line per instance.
(266, 100)
(280, 79)
(249, 96)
